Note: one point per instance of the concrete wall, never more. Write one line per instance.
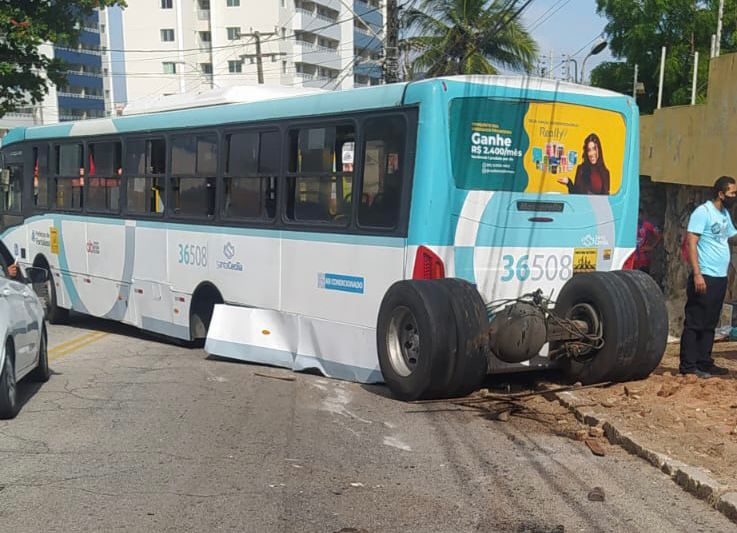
(694, 145)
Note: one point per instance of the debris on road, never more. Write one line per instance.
(595, 447)
(596, 495)
(691, 419)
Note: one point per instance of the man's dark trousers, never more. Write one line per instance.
(702, 316)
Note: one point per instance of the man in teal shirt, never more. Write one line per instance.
(710, 231)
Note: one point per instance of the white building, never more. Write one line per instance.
(164, 47)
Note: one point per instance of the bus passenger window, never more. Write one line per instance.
(381, 183)
(69, 176)
(104, 170)
(144, 169)
(251, 169)
(143, 172)
(11, 186)
(41, 176)
(320, 175)
(194, 166)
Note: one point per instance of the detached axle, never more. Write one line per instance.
(519, 331)
(439, 339)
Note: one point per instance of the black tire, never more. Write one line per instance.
(42, 373)
(652, 320)
(471, 319)
(204, 300)
(47, 292)
(610, 297)
(415, 337)
(8, 387)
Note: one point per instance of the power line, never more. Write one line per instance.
(542, 19)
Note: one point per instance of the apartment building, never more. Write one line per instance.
(162, 47)
(84, 95)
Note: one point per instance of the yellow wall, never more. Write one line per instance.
(694, 145)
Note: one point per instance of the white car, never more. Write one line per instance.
(23, 352)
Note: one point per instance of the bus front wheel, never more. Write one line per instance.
(204, 299)
(47, 292)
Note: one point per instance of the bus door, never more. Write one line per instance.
(11, 188)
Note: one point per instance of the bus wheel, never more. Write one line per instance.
(47, 292)
(204, 299)
(415, 336)
(652, 320)
(603, 300)
(471, 319)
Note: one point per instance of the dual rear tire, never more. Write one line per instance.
(426, 339)
(632, 317)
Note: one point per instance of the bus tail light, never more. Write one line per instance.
(428, 265)
(629, 264)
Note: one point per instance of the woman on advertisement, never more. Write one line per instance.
(592, 175)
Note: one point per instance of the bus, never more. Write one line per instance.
(421, 234)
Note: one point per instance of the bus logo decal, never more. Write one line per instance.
(339, 282)
(229, 251)
(229, 254)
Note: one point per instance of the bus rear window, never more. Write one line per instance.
(536, 147)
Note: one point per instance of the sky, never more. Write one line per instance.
(566, 27)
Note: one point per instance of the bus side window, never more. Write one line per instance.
(69, 176)
(144, 169)
(381, 181)
(193, 169)
(319, 180)
(41, 176)
(252, 165)
(11, 185)
(103, 192)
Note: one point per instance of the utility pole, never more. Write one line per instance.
(634, 84)
(391, 47)
(662, 73)
(258, 55)
(695, 77)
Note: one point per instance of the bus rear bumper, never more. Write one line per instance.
(263, 336)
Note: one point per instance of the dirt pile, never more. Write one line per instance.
(693, 420)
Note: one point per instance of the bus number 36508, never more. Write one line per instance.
(536, 267)
(191, 254)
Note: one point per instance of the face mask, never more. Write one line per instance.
(729, 201)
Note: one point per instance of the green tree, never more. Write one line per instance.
(466, 37)
(638, 29)
(24, 26)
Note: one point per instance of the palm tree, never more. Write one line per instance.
(466, 37)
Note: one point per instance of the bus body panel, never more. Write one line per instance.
(297, 342)
(309, 299)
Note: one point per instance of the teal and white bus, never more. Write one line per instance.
(423, 234)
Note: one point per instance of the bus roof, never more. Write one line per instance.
(283, 105)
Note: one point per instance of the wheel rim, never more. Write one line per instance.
(403, 341)
(587, 313)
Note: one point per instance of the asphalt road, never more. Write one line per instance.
(132, 434)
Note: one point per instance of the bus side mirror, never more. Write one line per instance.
(37, 275)
(5, 177)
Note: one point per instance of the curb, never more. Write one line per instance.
(694, 480)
